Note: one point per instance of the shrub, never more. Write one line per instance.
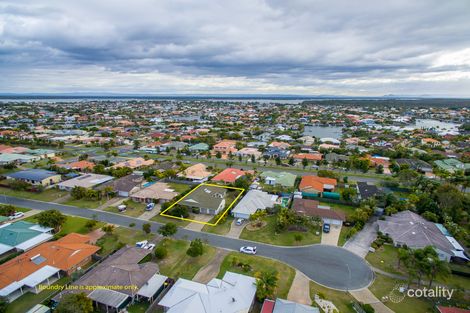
(161, 252)
(196, 248)
(168, 229)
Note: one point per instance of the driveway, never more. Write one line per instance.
(236, 230)
(330, 266)
(360, 243)
(367, 297)
(194, 226)
(332, 237)
(205, 274)
(149, 214)
(300, 289)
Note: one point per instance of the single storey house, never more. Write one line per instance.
(208, 199)
(313, 208)
(253, 201)
(36, 177)
(234, 293)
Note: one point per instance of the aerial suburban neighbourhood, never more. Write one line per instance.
(253, 206)
(250, 156)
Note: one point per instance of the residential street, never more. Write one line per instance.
(334, 267)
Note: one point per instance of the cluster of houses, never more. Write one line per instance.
(121, 279)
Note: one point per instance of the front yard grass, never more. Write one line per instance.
(134, 209)
(268, 234)
(28, 300)
(179, 188)
(342, 300)
(48, 195)
(385, 258)
(73, 224)
(85, 204)
(178, 264)
(383, 285)
(346, 209)
(163, 219)
(286, 273)
(222, 228)
(121, 236)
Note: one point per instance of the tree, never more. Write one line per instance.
(51, 218)
(242, 182)
(253, 159)
(147, 228)
(169, 229)
(108, 229)
(90, 224)
(278, 161)
(161, 252)
(83, 157)
(304, 163)
(7, 210)
(291, 161)
(379, 169)
(136, 144)
(179, 211)
(348, 194)
(196, 248)
(75, 303)
(218, 155)
(266, 284)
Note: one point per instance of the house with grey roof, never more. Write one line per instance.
(208, 199)
(410, 229)
(253, 201)
(36, 177)
(85, 181)
(286, 306)
(121, 270)
(125, 186)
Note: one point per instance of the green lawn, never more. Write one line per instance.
(48, 195)
(164, 220)
(178, 264)
(340, 299)
(179, 188)
(138, 307)
(286, 273)
(343, 235)
(85, 204)
(28, 300)
(385, 258)
(73, 224)
(222, 228)
(134, 209)
(382, 287)
(268, 234)
(120, 236)
(346, 209)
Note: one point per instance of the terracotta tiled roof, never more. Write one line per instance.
(316, 183)
(64, 254)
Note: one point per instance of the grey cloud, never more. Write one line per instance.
(281, 43)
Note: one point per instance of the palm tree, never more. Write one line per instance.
(437, 268)
(266, 284)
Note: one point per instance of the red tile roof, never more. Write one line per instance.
(444, 309)
(229, 175)
(316, 183)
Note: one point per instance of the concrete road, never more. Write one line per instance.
(330, 266)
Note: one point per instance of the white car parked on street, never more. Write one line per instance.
(248, 250)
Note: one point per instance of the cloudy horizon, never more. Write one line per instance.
(360, 48)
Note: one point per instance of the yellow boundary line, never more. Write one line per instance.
(204, 223)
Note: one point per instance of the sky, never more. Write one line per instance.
(304, 47)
